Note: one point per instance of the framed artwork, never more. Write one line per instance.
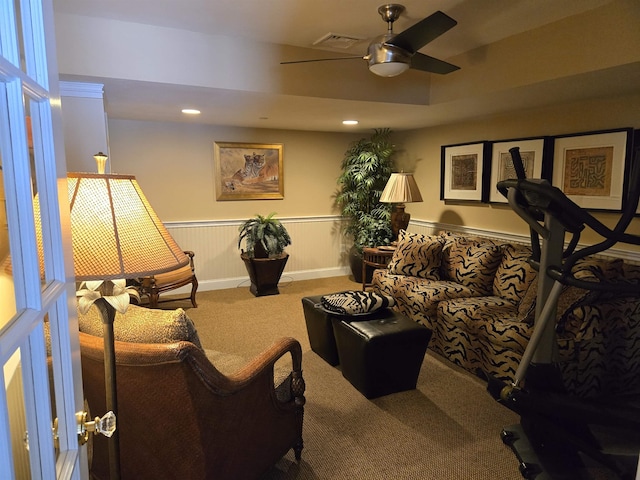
(248, 171)
(590, 168)
(532, 154)
(462, 175)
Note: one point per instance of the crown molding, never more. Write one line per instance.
(80, 89)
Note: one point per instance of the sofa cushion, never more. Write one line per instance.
(449, 239)
(515, 276)
(475, 265)
(631, 272)
(602, 268)
(418, 298)
(590, 269)
(417, 255)
(384, 282)
(473, 309)
(143, 325)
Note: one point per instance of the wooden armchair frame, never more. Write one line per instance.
(154, 285)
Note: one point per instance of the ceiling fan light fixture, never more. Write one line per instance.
(387, 60)
(389, 69)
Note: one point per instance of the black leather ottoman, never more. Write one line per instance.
(383, 355)
(320, 330)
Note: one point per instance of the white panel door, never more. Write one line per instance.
(36, 266)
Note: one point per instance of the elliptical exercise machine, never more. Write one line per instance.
(559, 432)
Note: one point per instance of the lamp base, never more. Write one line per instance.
(399, 219)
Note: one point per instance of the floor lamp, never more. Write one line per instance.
(400, 189)
(116, 235)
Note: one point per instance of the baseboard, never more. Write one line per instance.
(238, 282)
(631, 256)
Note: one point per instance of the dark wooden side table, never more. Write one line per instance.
(376, 257)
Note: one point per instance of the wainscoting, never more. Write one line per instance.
(319, 248)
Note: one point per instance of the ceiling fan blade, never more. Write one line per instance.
(322, 59)
(429, 64)
(423, 32)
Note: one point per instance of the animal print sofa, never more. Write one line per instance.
(479, 297)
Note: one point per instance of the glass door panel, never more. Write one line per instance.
(14, 388)
(7, 293)
(34, 145)
(30, 456)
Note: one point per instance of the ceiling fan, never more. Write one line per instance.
(391, 54)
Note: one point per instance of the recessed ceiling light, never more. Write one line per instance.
(191, 111)
(350, 122)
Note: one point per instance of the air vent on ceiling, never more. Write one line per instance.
(335, 40)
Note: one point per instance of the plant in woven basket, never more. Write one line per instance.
(366, 168)
(263, 236)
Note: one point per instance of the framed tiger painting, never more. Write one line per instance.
(248, 171)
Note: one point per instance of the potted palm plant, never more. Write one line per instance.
(366, 168)
(265, 240)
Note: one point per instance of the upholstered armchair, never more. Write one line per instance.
(179, 415)
(154, 285)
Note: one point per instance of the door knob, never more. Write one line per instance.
(105, 425)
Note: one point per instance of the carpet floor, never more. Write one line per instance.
(448, 428)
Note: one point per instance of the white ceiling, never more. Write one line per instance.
(299, 23)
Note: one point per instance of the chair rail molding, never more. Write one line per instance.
(431, 228)
(319, 248)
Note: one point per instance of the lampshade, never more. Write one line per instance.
(401, 188)
(115, 232)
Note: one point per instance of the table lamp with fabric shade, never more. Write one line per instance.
(116, 235)
(401, 188)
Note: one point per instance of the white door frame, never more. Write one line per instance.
(29, 87)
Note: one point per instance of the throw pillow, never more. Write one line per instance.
(589, 269)
(417, 256)
(475, 266)
(356, 302)
(514, 275)
(143, 325)
(631, 272)
(452, 247)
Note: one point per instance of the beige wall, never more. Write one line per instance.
(174, 164)
(421, 153)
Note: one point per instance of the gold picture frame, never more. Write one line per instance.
(248, 171)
